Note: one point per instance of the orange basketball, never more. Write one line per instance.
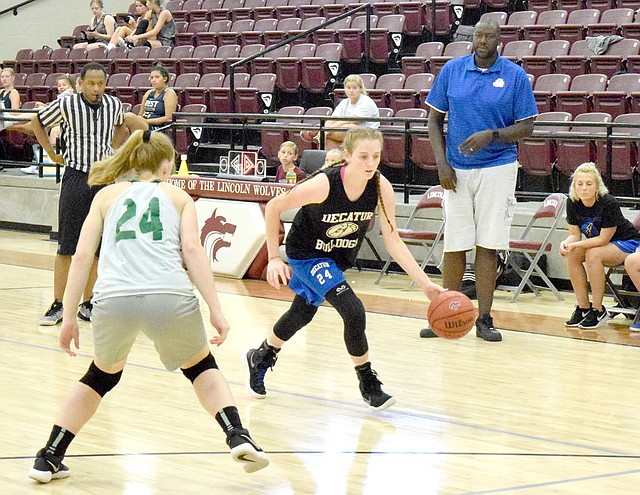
(451, 315)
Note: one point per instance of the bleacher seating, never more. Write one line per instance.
(538, 156)
(545, 25)
(412, 94)
(545, 88)
(573, 152)
(384, 84)
(271, 139)
(548, 40)
(578, 99)
(544, 59)
(624, 152)
(512, 30)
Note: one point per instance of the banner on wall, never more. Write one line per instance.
(232, 233)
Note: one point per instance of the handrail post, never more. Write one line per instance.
(433, 20)
(232, 87)
(609, 144)
(367, 38)
(407, 162)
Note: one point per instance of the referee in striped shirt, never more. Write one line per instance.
(94, 122)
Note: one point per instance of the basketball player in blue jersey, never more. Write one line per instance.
(147, 227)
(336, 205)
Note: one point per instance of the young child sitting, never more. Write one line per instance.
(333, 157)
(288, 154)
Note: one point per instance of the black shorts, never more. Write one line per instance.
(73, 208)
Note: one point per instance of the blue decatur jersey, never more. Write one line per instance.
(334, 228)
(140, 251)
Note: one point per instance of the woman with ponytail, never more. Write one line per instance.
(146, 227)
(335, 205)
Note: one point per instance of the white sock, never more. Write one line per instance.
(272, 344)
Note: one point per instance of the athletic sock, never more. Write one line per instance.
(59, 441)
(271, 344)
(228, 418)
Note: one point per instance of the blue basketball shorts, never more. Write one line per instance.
(313, 278)
(627, 246)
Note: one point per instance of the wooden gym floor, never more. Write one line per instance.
(546, 411)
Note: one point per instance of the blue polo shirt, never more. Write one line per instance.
(478, 100)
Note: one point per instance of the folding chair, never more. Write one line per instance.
(429, 239)
(552, 207)
(367, 239)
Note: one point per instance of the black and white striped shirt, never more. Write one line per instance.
(89, 129)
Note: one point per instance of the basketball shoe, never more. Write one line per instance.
(246, 451)
(258, 361)
(85, 310)
(595, 318)
(577, 317)
(48, 467)
(370, 388)
(427, 333)
(485, 329)
(53, 316)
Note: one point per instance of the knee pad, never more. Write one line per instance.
(143, 24)
(207, 363)
(299, 314)
(351, 310)
(99, 380)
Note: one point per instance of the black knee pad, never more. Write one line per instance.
(207, 363)
(299, 314)
(99, 380)
(351, 310)
(143, 24)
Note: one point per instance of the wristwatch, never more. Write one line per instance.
(495, 135)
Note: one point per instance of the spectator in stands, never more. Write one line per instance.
(158, 104)
(288, 154)
(609, 239)
(101, 27)
(9, 100)
(356, 104)
(131, 27)
(93, 126)
(333, 156)
(158, 30)
(490, 105)
(9, 97)
(335, 206)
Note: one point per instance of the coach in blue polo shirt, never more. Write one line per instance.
(490, 105)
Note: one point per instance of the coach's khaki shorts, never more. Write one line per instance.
(173, 322)
(481, 210)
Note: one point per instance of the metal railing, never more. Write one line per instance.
(15, 8)
(411, 126)
(367, 7)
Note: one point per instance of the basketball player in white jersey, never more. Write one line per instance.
(147, 227)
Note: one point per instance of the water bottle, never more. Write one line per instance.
(291, 177)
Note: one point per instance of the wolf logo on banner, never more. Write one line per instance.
(213, 235)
